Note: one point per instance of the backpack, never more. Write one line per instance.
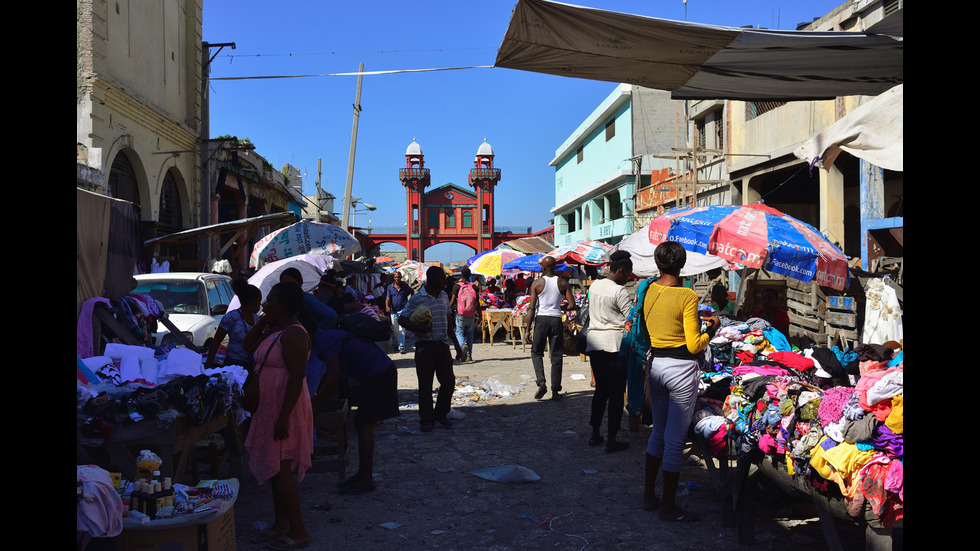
(366, 327)
(466, 300)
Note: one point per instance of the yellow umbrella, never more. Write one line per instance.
(492, 263)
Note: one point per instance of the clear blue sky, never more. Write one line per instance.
(524, 116)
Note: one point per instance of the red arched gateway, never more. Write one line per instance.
(448, 213)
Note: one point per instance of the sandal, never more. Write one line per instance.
(286, 542)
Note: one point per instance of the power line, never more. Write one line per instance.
(365, 52)
(356, 73)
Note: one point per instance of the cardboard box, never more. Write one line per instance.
(216, 535)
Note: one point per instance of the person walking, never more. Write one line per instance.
(609, 305)
(670, 313)
(427, 316)
(465, 301)
(545, 309)
(396, 297)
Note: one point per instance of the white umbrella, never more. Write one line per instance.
(310, 266)
(303, 237)
(641, 253)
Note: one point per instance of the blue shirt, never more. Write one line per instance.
(326, 318)
(399, 297)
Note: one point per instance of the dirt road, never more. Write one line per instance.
(586, 499)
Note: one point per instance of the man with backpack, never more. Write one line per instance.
(466, 302)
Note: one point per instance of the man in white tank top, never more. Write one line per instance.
(546, 293)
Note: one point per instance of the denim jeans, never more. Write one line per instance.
(548, 330)
(397, 333)
(464, 331)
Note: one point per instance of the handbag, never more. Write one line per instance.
(250, 390)
(581, 339)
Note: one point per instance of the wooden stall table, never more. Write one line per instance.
(494, 319)
(173, 443)
(517, 324)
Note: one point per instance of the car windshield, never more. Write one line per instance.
(177, 297)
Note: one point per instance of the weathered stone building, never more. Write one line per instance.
(138, 108)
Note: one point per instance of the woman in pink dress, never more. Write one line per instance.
(280, 438)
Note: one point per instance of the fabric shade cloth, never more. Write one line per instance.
(696, 61)
(641, 254)
(303, 237)
(873, 132)
(492, 262)
(755, 236)
(593, 253)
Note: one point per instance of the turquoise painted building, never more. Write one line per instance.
(596, 168)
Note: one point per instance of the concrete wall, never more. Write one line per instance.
(138, 94)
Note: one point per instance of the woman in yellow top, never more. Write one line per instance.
(670, 313)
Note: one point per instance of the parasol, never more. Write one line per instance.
(641, 254)
(593, 253)
(310, 266)
(755, 236)
(492, 262)
(303, 237)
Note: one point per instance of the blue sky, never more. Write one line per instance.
(524, 116)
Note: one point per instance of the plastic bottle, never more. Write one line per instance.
(168, 493)
(146, 463)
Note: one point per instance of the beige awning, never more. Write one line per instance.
(695, 61)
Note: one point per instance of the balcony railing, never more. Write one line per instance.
(413, 173)
(484, 173)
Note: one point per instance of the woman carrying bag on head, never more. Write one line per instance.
(280, 438)
(670, 312)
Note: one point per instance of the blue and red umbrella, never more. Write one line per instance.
(755, 236)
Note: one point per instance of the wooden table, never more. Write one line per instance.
(174, 443)
(496, 318)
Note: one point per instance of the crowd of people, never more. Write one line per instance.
(304, 351)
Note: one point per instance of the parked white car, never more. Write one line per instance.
(194, 302)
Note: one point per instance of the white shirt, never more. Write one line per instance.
(609, 304)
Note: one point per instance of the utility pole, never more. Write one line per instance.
(205, 213)
(353, 146)
(319, 193)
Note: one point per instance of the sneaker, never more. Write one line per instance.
(427, 426)
(542, 390)
(465, 352)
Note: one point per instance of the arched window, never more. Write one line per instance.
(450, 218)
(467, 219)
(122, 180)
(171, 215)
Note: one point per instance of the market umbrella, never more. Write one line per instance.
(310, 266)
(532, 263)
(303, 237)
(641, 254)
(755, 236)
(593, 253)
(492, 263)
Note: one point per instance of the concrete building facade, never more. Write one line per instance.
(138, 108)
(763, 135)
(596, 168)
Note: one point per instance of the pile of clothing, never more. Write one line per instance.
(834, 417)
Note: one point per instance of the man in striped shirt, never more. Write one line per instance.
(432, 353)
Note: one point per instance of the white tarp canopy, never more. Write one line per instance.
(695, 61)
(873, 132)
